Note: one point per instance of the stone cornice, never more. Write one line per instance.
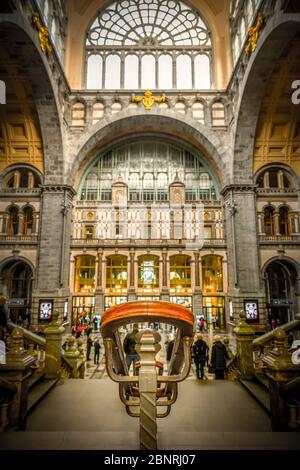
(235, 188)
(58, 188)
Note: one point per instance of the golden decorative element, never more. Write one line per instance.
(148, 99)
(43, 35)
(253, 34)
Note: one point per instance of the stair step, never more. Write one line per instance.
(258, 392)
(262, 380)
(36, 376)
(38, 392)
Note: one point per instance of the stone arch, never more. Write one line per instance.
(294, 263)
(167, 123)
(277, 34)
(21, 40)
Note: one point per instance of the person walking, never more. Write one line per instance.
(89, 344)
(219, 355)
(200, 350)
(97, 348)
(129, 348)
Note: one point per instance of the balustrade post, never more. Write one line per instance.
(147, 347)
(244, 348)
(53, 347)
(17, 370)
(280, 370)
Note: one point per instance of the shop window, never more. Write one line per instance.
(84, 273)
(214, 311)
(148, 272)
(212, 274)
(180, 273)
(116, 273)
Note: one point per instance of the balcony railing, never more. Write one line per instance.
(221, 242)
(279, 238)
(18, 238)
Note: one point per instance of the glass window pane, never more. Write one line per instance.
(202, 72)
(131, 71)
(165, 78)
(94, 72)
(184, 72)
(148, 72)
(112, 72)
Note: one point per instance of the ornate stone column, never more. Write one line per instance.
(261, 220)
(52, 279)
(276, 224)
(280, 371)
(164, 274)
(53, 334)
(20, 222)
(131, 275)
(244, 338)
(100, 289)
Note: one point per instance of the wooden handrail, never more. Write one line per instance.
(267, 337)
(29, 335)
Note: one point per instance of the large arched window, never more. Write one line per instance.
(148, 44)
(148, 168)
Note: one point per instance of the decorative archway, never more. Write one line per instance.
(281, 276)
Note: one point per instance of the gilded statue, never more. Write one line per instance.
(148, 99)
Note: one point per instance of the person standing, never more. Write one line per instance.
(129, 349)
(97, 348)
(89, 344)
(200, 350)
(218, 358)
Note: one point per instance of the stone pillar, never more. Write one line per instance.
(266, 178)
(5, 222)
(35, 224)
(242, 246)
(17, 370)
(53, 333)
(30, 180)
(17, 177)
(132, 271)
(20, 222)
(244, 348)
(276, 224)
(280, 180)
(261, 223)
(280, 371)
(197, 303)
(164, 272)
(52, 280)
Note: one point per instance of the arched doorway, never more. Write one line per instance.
(280, 282)
(17, 288)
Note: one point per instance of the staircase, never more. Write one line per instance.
(259, 390)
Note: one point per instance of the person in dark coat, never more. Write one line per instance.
(129, 348)
(200, 351)
(97, 348)
(89, 344)
(219, 355)
(170, 346)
